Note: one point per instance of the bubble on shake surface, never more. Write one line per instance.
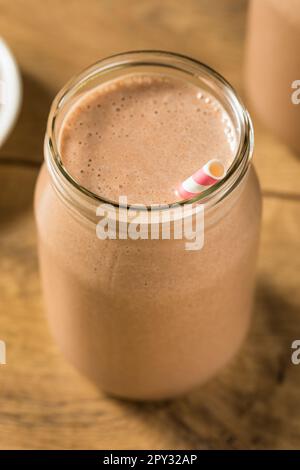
(140, 135)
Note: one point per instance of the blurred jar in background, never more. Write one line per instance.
(272, 72)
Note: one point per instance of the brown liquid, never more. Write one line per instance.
(273, 64)
(140, 137)
(147, 319)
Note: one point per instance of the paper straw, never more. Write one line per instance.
(212, 172)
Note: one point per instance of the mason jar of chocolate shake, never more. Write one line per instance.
(272, 66)
(141, 302)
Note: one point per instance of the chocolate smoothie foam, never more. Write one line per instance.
(147, 319)
(141, 136)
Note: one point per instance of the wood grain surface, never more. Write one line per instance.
(44, 402)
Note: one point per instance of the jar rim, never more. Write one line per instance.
(183, 63)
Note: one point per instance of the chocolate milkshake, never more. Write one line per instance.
(141, 135)
(146, 319)
(272, 71)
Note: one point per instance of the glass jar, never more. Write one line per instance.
(272, 66)
(148, 319)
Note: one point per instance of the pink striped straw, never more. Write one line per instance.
(212, 172)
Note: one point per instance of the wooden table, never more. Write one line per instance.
(44, 402)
